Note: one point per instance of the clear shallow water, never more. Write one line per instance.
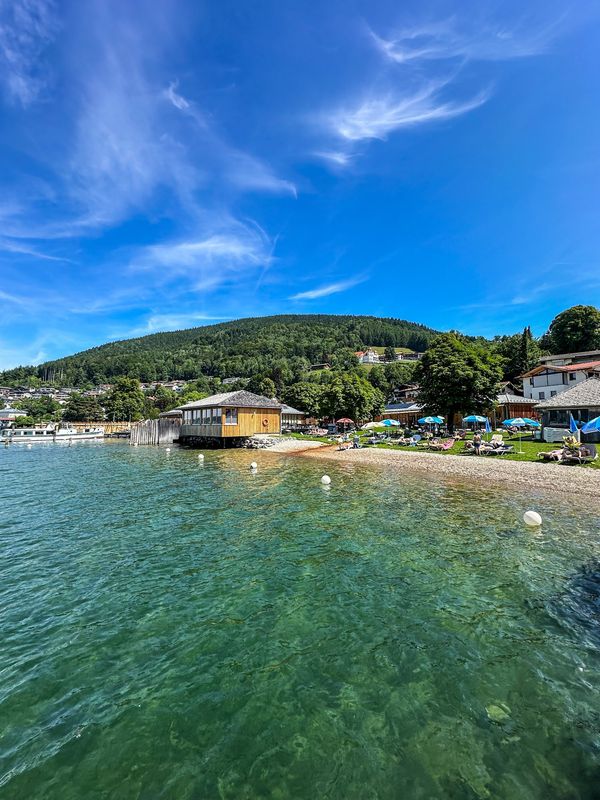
(176, 630)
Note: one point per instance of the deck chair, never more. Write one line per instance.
(583, 455)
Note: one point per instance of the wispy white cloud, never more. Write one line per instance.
(422, 68)
(481, 40)
(210, 261)
(334, 157)
(26, 28)
(331, 288)
(16, 247)
(376, 117)
(240, 169)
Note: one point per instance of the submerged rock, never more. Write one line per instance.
(498, 712)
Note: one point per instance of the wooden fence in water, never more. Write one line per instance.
(155, 431)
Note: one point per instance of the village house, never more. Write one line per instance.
(510, 405)
(8, 415)
(406, 413)
(581, 400)
(228, 418)
(558, 373)
(368, 356)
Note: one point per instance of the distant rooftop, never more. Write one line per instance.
(239, 399)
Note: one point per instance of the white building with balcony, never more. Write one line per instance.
(556, 374)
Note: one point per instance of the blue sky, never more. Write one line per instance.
(169, 164)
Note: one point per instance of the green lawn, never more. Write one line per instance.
(526, 450)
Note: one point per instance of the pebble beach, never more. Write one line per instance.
(574, 481)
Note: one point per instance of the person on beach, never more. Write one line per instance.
(477, 443)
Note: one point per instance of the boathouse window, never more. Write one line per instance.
(231, 416)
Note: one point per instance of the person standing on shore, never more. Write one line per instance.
(477, 443)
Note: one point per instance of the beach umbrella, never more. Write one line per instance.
(573, 427)
(592, 426)
(369, 426)
(345, 421)
(431, 421)
(389, 422)
(474, 418)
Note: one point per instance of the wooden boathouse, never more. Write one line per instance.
(226, 419)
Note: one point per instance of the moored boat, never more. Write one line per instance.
(48, 434)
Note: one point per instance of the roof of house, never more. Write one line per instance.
(239, 399)
(403, 407)
(506, 398)
(174, 412)
(583, 395)
(570, 355)
(285, 409)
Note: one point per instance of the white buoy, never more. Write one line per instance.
(28, 446)
(253, 466)
(325, 480)
(168, 450)
(532, 518)
(135, 444)
(200, 457)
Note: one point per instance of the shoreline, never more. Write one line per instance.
(571, 481)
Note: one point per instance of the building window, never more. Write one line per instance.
(231, 416)
(572, 376)
(552, 394)
(542, 395)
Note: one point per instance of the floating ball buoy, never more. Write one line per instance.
(135, 444)
(325, 480)
(201, 457)
(532, 518)
(253, 466)
(28, 446)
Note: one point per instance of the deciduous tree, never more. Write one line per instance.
(455, 376)
(575, 330)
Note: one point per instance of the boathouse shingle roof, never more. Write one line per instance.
(509, 398)
(583, 395)
(239, 399)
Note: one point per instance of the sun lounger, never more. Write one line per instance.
(498, 451)
(446, 444)
(552, 455)
(583, 455)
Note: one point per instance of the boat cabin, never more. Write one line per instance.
(229, 418)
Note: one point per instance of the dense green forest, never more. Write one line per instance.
(246, 347)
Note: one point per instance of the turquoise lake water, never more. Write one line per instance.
(170, 629)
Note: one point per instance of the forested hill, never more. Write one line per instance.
(242, 348)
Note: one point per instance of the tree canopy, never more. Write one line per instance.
(575, 330)
(456, 376)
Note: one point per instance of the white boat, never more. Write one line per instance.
(48, 434)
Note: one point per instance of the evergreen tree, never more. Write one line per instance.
(389, 353)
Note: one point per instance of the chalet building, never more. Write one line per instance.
(406, 413)
(551, 378)
(511, 405)
(228, 418)
(368, 356)
(581, 400)
(566, 359)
